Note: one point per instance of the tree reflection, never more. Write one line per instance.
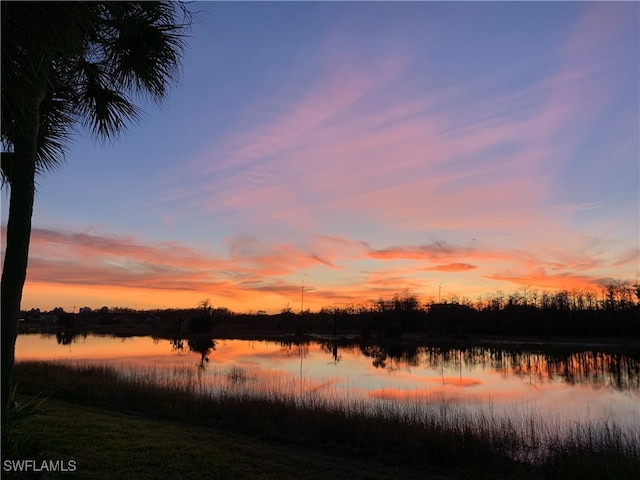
(204, 347)
(66, 337)
(334, 353)
(297, 348)
(332, 348)
(177, 344)
(378, 353)
(392, 357)
(597, 369)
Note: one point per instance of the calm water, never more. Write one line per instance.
(588, 385)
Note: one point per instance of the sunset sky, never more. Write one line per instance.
(361, 149)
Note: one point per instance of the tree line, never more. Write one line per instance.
(612, 311)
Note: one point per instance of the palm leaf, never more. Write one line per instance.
(144, 46)
(96, 55)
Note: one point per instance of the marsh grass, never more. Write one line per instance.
(275, 408)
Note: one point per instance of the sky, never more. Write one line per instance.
(327, 154)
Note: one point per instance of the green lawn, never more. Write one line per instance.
(112, 445)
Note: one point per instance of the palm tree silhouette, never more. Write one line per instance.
(66, 64)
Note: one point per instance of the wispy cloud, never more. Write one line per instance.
(452, 267)
(336, 270)
(551, 281)
(630, 257)
(433, 251)
(362, 175)
(343, 150)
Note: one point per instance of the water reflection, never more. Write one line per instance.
(590, 367)
(67, 337)
(295, 348)
(581, 367)
(204, 347)
(177, 345)
(392, 357)
(593, 368)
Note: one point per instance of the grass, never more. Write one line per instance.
(111, 445)
(94, 409)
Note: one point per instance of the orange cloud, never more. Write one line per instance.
(250, 276)
(453, 267)
(261, 274)
(539, 278)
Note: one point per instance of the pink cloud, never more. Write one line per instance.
(332, 153)
(552, 281)
(92, 259)
(268, 259)
(453, 267)
(431, 251)
(343, 152)
(256, 273)
(439, 250)
(601, 22)
(346, 150)
(630, 257)
(85, 246)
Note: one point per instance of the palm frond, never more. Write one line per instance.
(57, 117)
(82, 61)
(106, 111)
(144, 46)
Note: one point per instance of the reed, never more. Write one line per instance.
(272, 407)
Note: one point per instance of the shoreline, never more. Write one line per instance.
(510, 342)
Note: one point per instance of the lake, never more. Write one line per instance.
(577, 386)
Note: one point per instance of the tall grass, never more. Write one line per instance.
(412, 432)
